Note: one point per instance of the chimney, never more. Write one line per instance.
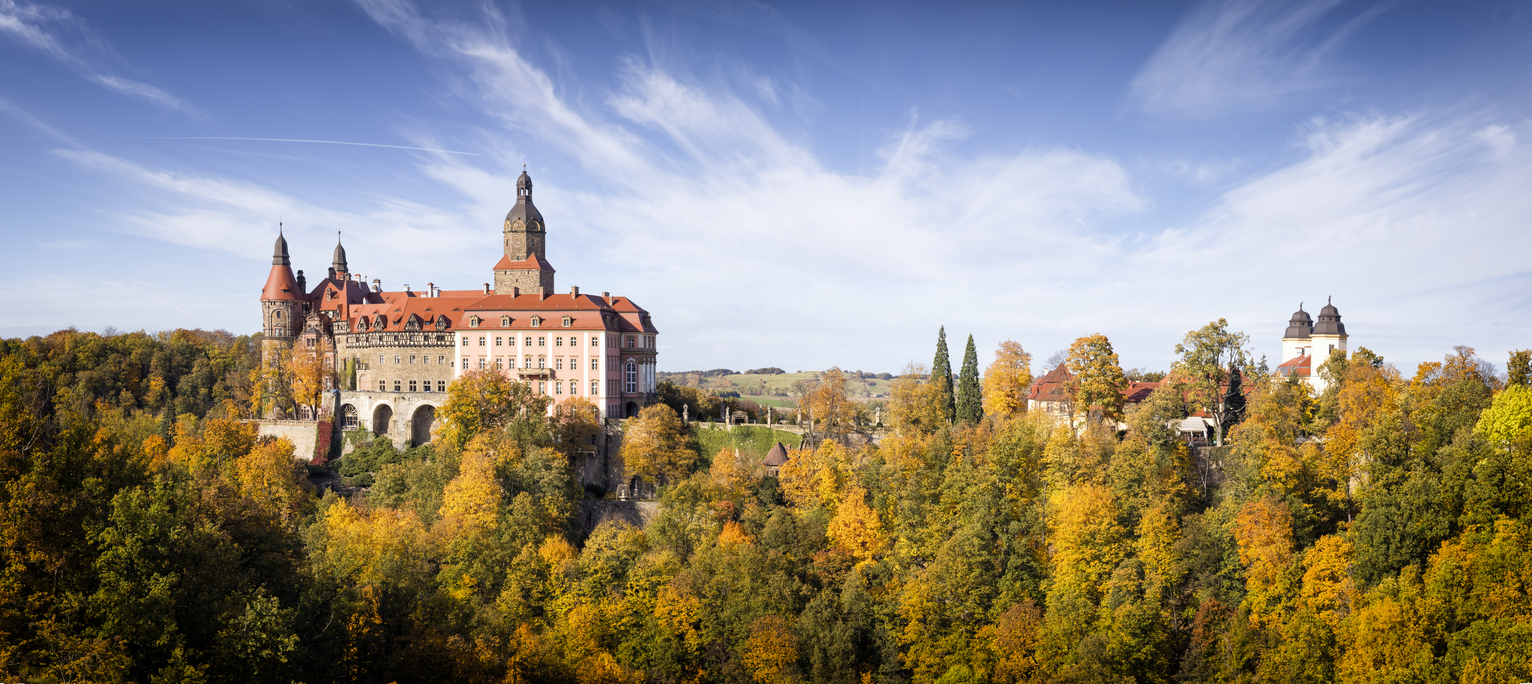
(302, 283)
(574, 291)
(377, 286)
(542, 293)
(515, 292)
(609, 298)
(430, 289)
(406, 287)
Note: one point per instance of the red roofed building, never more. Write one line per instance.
(408, 346)
(1304, 340)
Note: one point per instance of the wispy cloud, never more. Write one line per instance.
(1232, 55)
(63, 37)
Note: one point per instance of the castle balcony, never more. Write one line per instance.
(534, 372)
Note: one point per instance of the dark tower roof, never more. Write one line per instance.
(279, 256)
(340, 257)
(1300, 326)
(524, 211)
(1329, 321)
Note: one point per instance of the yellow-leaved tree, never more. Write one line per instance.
(480, 401)
(1007, 379)
(576, 426)
(916, 404)
(270, 476)
(472, 499)
(1264, 532)
(732, 473)
(771, 650)
(826, 407)
(311, 371)
(856, 526)
(656, 446)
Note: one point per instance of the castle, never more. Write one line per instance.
(405, 347)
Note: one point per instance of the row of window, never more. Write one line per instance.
(424, 386)
(505, 321)
(574, 341)
(574, 387)
(542, 362)
(424, 358)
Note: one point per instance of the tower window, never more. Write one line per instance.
(441, 385)
(412, 385)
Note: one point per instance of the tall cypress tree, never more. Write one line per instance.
(941, 373)
(970, 401)
(1234, 400)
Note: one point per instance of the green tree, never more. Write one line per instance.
(1098, 382)
(970, 401)
(1519, 369)
(941, 374)
(1209, 356)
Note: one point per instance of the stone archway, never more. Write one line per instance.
(420, 425)
(632, 410)
(382, 417)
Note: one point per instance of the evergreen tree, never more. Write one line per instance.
(1233, 400)
(970, 403)
(941, 374)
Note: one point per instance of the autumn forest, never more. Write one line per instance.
(1377, 531)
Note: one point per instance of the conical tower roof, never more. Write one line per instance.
(1300, 326)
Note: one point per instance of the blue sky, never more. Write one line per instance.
(799, 185)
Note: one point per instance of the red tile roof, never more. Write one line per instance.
(281, 285)
(1301, 366)
(532, 262)
(1053, 386)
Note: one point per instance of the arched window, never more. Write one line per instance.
(632, 373)
(277, 315)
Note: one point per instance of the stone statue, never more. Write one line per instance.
(685, 412)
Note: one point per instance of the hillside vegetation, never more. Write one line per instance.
(1380, 531)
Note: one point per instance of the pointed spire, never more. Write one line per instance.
(339, 263)
(279, 256)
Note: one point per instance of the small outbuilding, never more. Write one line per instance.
(775, 459)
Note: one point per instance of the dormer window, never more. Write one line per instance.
(537, 322)
(505, 321)
(473, 321)
(568, 321)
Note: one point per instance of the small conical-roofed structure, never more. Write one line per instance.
(775, 459)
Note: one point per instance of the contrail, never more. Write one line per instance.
(292, 140)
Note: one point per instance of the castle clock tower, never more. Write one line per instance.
(525, 266)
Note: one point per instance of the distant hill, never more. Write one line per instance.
(774, 382)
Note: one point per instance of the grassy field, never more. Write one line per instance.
(751, 440)
(778, 385)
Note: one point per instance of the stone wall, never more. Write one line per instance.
(400, 416)
(639, 514)
(304, 434)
